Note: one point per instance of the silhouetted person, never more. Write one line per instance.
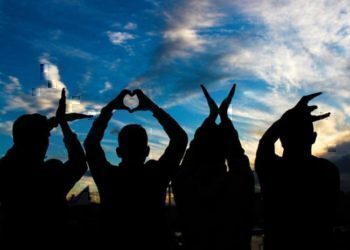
(214, 190)
(300, 190)
(32, 190)
(133, 193)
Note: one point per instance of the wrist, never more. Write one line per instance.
(154, 108)
(107, 109)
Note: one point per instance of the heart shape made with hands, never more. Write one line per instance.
(131, 101)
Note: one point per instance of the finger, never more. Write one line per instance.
(305, 99)
(320, 117)
(138, 92)
(125, 92)
(63, 94)
(311, 108)
(76, 116)
(205, 91)
(232, 92)
(207, 96)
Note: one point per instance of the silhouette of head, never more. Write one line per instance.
(298, 136)
(133, 145)
(31, 135)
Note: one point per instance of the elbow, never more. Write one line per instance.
(182, 139)
(263, 140)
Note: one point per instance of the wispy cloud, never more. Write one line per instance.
(130, 26)
(118, 38)
(107, 86)
(6, 127)
(181, 40)
(292, 48)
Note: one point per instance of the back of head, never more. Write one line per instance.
(298, 135)
(133, 144)
(31, 134)
(212, 149)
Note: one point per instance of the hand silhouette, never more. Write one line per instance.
(61, 110)
(213, 107)
(226, 103)
(145, 103)
(302, 110)
(118, 102)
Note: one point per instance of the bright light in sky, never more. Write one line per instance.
(276, 51)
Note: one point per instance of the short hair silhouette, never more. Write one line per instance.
(29, 126)
(301, 134)
(32, 129)
(133, 144)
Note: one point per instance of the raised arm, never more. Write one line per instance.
(178, 137)
(76, 165)
(266, 147)
(190, 162)
(94, 152)
(300, 113)
(237, 161)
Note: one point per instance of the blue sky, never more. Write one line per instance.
(275, 51)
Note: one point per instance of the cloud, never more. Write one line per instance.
(117, 126)
(300, 44)
(130, 26)
(118, 38)
(6, 127)
(299, 48)
(107, 86)
(182, 36)
(43, 99)
(293, 45)
(184, 41)
(290, 49)
(10, 84)
(56, 34)
(64, 49)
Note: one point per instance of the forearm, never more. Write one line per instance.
(231, 139)
(94, 152)
(76, 155)
(267, 142)
(98, 128)
(237, 161)
(170, 126)
(265, 155)
(66, 130)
